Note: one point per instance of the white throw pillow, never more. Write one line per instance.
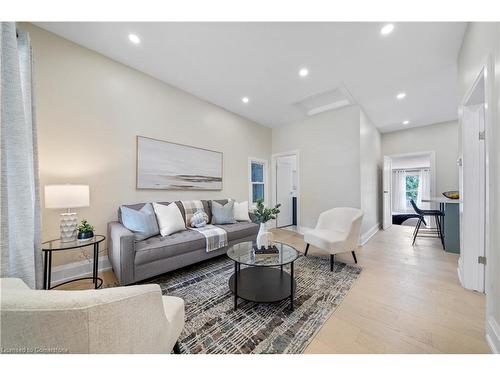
(241, 211)
(169, 218)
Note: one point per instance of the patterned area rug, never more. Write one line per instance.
(212, 325)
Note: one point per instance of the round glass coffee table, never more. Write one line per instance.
(262, 281)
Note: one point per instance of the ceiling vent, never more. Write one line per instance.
(325, 101)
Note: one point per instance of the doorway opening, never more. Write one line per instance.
(406, 177)
(285, 172)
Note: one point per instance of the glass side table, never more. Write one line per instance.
(56, 245)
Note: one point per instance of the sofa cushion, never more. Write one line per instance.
(138, 206)
(241, 211)
(206, 207)
(142, 222)
(237, 231)
(159, 247)
(223, 214)
(169, 218)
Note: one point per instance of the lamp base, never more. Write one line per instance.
(68, 224)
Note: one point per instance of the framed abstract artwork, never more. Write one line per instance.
(173, 166)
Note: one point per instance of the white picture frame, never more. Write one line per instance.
(164, 165)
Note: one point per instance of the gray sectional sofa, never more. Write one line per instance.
(133, 260)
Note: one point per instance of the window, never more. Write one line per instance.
(412, 181)
(257, 180)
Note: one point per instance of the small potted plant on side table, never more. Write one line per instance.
(262, 216)
(85, 230)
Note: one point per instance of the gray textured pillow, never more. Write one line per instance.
(142, 222)
(223, 214)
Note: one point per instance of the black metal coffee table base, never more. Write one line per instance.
(262, 284)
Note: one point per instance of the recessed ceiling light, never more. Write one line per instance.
(406, 122)
(387, 29)
(245, 99)
(401, 95)
(134, 38)
(303, 72)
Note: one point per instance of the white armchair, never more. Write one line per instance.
(337, 231)
(133, 319)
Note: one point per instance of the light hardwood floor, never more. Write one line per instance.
(406, 300)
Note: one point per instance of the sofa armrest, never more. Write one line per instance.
(121, 252)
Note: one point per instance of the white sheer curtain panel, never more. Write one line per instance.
(19, 187)
(399, 191)
(424, 188)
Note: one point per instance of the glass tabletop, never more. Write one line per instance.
(57, 244)
(244, 253)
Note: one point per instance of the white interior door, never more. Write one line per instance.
(473, 195)
(387, 191)
(284, 190)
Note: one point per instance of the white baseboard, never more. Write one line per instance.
(78, 269)
(493, 335)
(365, 237)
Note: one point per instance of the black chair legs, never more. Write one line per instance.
(332, 257)
(436, 214)
(440, 230)
(177, 349)
(415, 232)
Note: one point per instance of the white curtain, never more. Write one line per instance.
(19, 189)
(398, 191)
(424, 188)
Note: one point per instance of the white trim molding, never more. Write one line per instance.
(275, 156)
(74, 270)
(365, 237)
(493, 335)
(265, 183)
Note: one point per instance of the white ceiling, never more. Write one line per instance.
(222, 62)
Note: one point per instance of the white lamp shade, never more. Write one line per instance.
(67, 196)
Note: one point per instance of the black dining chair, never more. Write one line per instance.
(436, 214)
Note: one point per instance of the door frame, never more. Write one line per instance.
(274, 192)
(388, 192)
(432, 155)
(486, 72)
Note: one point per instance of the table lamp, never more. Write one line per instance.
(68, 197)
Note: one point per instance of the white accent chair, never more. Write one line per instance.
(132, 319)
(337, 231)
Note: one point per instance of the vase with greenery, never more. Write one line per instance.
(85, 230)
(262, 216)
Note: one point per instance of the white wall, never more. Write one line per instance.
(329, 161)
(409, 162)
(91, 108)
(482, 40)
(370, 174)
(441, 138)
